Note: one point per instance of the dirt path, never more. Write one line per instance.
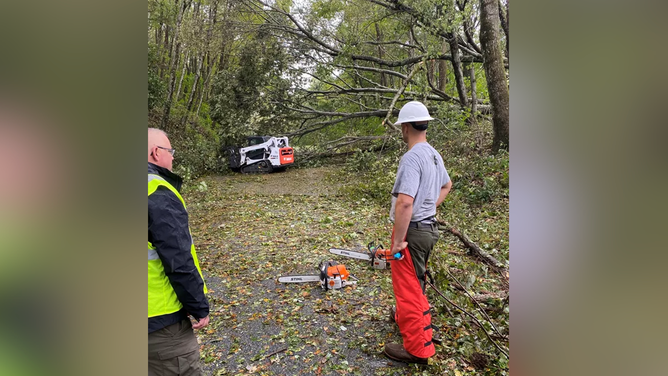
(251, 229)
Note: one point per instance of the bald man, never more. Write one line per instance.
(176, 288)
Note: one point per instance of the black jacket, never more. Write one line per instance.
(169, 233)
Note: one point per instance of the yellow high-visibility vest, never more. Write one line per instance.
(162, 299)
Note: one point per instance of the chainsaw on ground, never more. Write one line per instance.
(378, 256)
(332, 276)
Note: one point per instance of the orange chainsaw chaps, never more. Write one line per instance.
(413, 311)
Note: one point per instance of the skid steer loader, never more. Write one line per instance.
(263, 154)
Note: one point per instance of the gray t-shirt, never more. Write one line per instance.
(421, 175)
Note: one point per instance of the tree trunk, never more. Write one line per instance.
(173, 63)
(504, 24)
(474, 95)
(502, 19)
(222, 62)
(208, 67)
(163, 52)
(411, 41)
(430, 70)
(443, 70)
(183, 73)
(497, 84)
(192, 91)
(457, 69)
(379, 38)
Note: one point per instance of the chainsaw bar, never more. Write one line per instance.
(380, 258)
(299, 278)
(353, 254)
(332, 276)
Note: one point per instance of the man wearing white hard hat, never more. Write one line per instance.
(422, 184)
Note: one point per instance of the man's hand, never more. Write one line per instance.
(399, 247)
(201, 323)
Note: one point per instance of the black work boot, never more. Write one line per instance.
(397, 352)
(393, 314)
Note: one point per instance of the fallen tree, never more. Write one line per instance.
(474, 249)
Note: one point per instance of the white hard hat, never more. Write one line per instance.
(413, 112)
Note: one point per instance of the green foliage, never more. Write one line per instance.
(198, 149)
(362, 161)
(197, 143)
(373, 175)
(480, 179)
(157, 88)
(244, 96)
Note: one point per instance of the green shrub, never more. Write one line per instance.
(197, 144)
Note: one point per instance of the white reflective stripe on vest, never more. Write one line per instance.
(154, 176)
(152, 254)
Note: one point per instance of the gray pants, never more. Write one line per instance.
(173, 351)
(421, 241)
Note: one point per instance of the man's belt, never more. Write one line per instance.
(426, 222)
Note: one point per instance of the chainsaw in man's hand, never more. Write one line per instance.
(378, 256)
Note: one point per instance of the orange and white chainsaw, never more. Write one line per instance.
(378, 256)
(332, 276)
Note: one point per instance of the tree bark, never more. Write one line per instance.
(474, 96)
(431, 68)
(497, 84)
(173, 63)
(183, 73)
(490, 295)
(457, 69)
(208, 61)
(473, 248)
(443, 70)
(379, 38)
(192, 91)
(397, 95)
(504, 24)
(164, 51)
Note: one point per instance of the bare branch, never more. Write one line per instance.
(376, 84)
(396, 96)
(395, 42)
(349, 140)
(469, 37)
(371, 90)
(371, 69)
(475, 302)
(439, 92)
(475, 249)
(471, 316)
(301, 28)
(377, 113)
(325, 81)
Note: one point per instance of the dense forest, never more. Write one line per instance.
(332, 75)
